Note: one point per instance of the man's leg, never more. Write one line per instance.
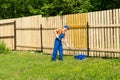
(56, 44)
(60, 52)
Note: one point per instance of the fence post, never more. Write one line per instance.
(88, 49)
(15, 35)
(41, 37)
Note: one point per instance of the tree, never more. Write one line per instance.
(21, 8)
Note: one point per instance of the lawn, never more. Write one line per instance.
(37, 66)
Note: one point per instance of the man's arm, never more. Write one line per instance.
(66, 42)
(55, 31)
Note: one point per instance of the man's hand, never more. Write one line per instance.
(57, 36)
(67, 45)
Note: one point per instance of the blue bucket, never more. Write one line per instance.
(79, 56)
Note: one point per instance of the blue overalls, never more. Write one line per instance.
(58, 47)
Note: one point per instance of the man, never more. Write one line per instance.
(60, 34)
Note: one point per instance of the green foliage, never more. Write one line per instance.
(21, 8)
(3, 49)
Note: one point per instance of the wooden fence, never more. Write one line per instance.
(104, 33)
(77, 35)
(7, 34)
(92, 34)
(28, 33)
(24, 32)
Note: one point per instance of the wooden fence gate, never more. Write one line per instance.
(8, 34)
(77, 34)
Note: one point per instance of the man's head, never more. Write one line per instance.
(66, 27)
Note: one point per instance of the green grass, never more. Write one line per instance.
(34, 66)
